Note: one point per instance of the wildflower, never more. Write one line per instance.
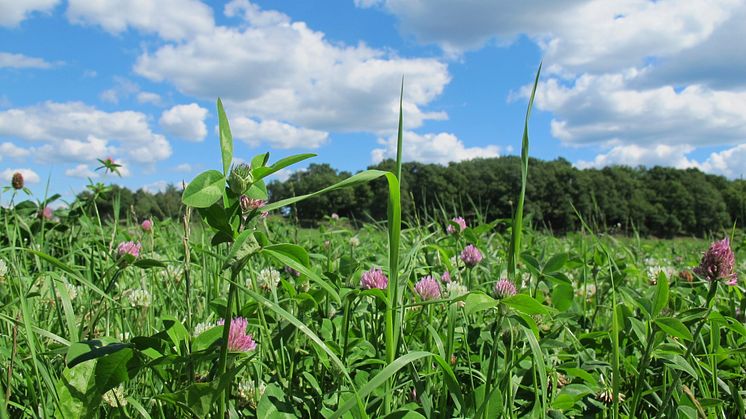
(203, 327)
(354, 241)
(718, 263)
(588, 291)
(327, 244)
(454, 360)
(335, 216)
(428, 288)
(72, 291)
(450, 229)
(140, 298)
(504, 288)
(240, 178)
(455, 290)
(251, 204)
(147, 226)
(249, 393)
(446, 277)
(471, 256)
(374, 278)
(654, 271)
(607, 397)
(123, 336)
(115, 397)
(109, 166)
(267, 279)
(129, 249)
(46, 213)
(238, 340)
(3, 269)
(17, 181)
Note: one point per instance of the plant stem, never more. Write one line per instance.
(695, 336)
(223, 360)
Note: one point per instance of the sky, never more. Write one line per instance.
(631, 82)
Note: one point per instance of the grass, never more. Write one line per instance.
(601, 326)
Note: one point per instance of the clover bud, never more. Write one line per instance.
(240, 178)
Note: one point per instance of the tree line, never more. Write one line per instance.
(659, 201)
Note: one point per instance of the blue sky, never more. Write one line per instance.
(631, 82)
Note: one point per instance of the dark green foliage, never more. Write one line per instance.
(660, 201)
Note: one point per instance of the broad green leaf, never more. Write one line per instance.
(76, 389)
(111, 370)
(226, 140)
(204, 190)
(555, 263)
(674, 327)
(478, 301)
(207, 338)
(273, 404)
(260, 160)
(523, 303)
(258, 190)
(562, 296)
(661, 295)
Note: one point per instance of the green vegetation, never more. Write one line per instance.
(436, 317)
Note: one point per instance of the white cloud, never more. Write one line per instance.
(170, 19)
(184, 168)
(185, 121)
(10, 60)
(13, 12)
(635, 155)
(440, 148)
(149, 97)
(585, 34)
(13, 151)
(155, 187)
(274, 69)
(730, 162)
(606, 109)
(276, 134)
(73, 131)
(29, 176)
(81, 171)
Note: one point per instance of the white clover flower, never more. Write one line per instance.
(455, 289)
(248, 393)
(72, 291)
(140, 298)
(123, 336)
(203, 327)
(654, 271)
(354, 241)
(268, 278)
(3, 269)
(115, 397)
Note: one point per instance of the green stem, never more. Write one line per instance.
(642, 369)
(677, 373)
(223, 360)
(496, 329)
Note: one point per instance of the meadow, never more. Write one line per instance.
(235, 311)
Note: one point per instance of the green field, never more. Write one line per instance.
(112, 318)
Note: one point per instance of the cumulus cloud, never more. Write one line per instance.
(185, 121)
(155, 187)
(276, 134)
(636, 155)
(149, 97)
(169, 19)
(76, 132)
(14, 12)
(730, 162)
(11, 60)
(440, 148)
(271, 68)
(183, 168)
(82, 171)
(13, 151)
(29, 176)
(605, 109)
